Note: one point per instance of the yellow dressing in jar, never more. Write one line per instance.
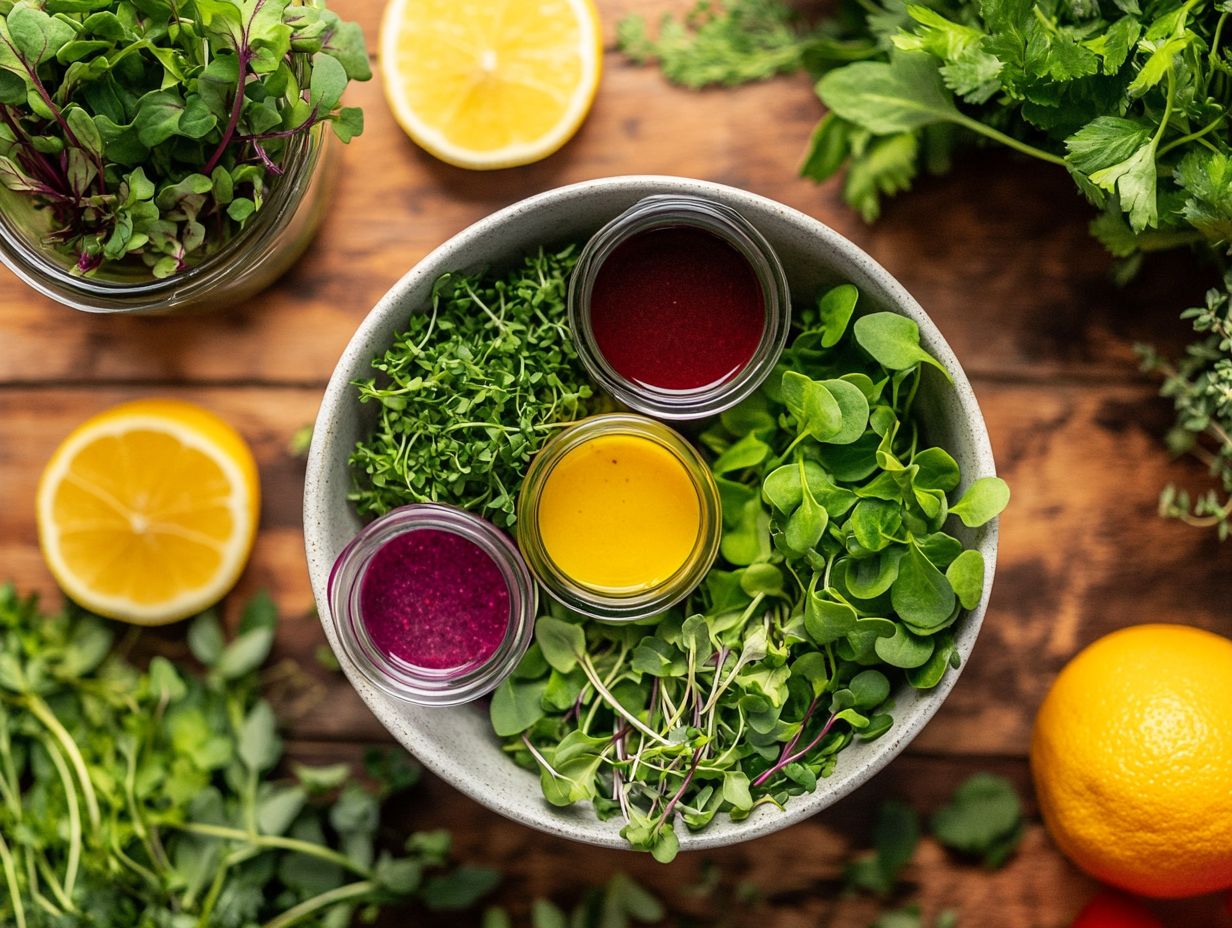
(619, 517)
(619, 513)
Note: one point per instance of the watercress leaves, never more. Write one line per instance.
(837, 582)
(893, 341)
(984, 500)
(561, 642)
(920, 593)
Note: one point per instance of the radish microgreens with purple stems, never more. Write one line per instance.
(838, 580)
(148, 133)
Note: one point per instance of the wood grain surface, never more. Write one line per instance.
(997, 253)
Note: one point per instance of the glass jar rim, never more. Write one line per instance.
(668, 210)
(428, 686)
(595, 604)
(30, 262)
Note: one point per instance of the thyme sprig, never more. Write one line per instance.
(1200, 387)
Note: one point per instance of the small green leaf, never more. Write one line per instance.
(893, 341)
(259, 744)
(966, 576)
(982, 814)
(459, 889)
(905, 649)
(983, 501)
(921, 594)
(205, 638)
(886, 98)
(328, 81)
(835, 309)
(747, 452)
(563, 643)
(517, 705)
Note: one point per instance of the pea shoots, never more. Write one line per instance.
(837, 581)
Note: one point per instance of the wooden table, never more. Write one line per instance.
(997, 252)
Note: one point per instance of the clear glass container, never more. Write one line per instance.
(668, 211)
(245, 264)
(607, 604)
(424, 685)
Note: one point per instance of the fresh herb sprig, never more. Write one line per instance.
(471, 390)
(135, 798)
(837, 579)
(151, 132)
(1200, 387)
(735, 43)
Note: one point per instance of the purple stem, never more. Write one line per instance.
(237, 107)
(48, 174)
(59, 117)
(791, 759)
(308, 123)
(671, 806)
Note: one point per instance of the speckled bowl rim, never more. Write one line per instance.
(581, 824)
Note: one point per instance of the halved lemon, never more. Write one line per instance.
(491, 84)
(147, 512)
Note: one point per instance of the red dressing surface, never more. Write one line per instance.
(435, 600)
(677, 308)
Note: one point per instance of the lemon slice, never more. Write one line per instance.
(147, 512)
(491, 84)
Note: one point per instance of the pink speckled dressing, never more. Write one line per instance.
(433, 599)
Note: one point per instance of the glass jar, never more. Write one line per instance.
(674, 458)
(248, 262)
(448, 682)
(672, 211)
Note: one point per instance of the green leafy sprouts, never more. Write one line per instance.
(134, 798)
(471, 390)
(148, 133)
(838, 579)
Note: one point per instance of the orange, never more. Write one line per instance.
(488, 84)
(147, 512)
(1132, 759)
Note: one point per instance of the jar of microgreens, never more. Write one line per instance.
(231, 271)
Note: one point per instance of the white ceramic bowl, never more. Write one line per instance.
(457, 744)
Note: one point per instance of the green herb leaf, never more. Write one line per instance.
(982, 817)
(893, 341)
(983, 501)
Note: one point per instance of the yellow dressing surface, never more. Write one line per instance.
(619, 513)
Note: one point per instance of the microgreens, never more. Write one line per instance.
(148, 132)
(471, 390)
(150, 797)
(837, 580)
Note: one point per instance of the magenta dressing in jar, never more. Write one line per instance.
(432, 604)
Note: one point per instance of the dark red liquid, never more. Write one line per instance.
(677, 308)
(433, 599)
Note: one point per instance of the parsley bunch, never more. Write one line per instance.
(837, 580)
(148, 132)
(471, 390)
